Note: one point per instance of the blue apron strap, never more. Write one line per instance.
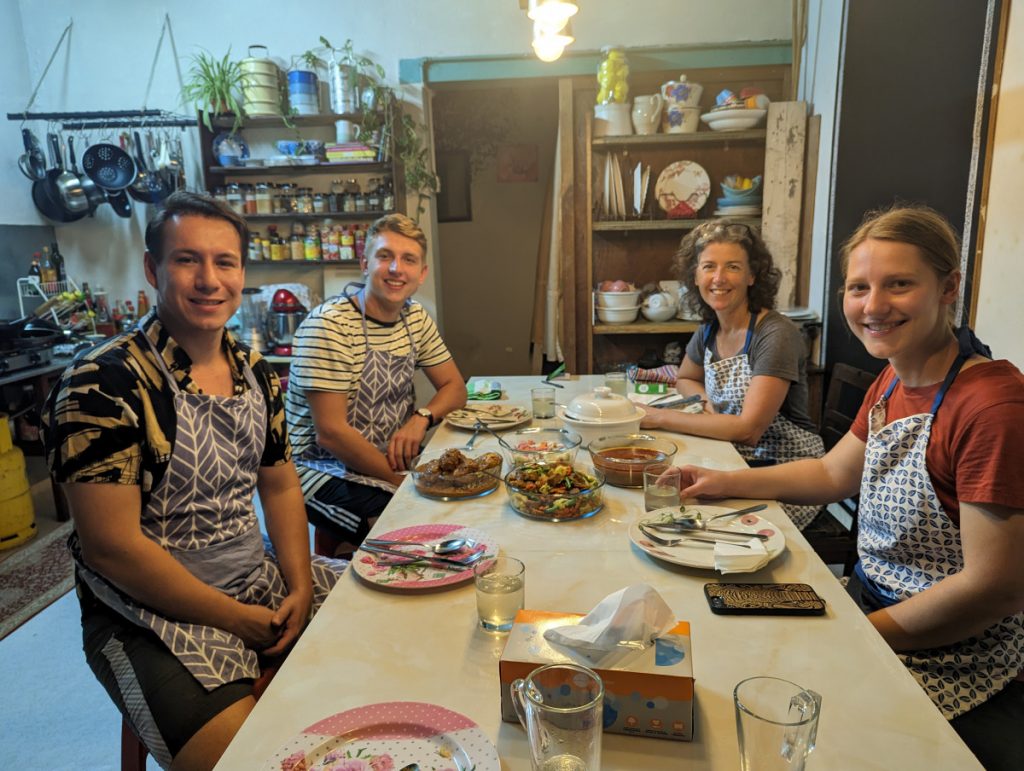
(750, 332)
(709, 331)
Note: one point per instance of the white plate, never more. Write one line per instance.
(606, 200)
(638, 198)
(695, 554)
(682, 189)
(397, 573)
(390, 735)
(620, 193)
(645, 186)
(495, 416)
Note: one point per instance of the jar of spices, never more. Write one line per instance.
(248, 199)
(348, 203)
(373, 197)
(264, 201)
(319, 204)
(233, 194)
(360, 202)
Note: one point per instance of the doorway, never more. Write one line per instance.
(495, 146)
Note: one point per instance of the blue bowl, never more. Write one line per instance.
(287, 146)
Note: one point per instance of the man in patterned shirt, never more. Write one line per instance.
(159, 438)
(350, 401)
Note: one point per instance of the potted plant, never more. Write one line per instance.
(383, 120)
(215, 87)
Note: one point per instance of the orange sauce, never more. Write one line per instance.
(624, 466)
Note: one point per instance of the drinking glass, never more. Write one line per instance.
(661, 486)
(561, 708)
(776, 722)
(543, 398)
(616, 381)
(500, 589)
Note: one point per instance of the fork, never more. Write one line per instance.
(463, 564)
(476, 434)
(677, 541)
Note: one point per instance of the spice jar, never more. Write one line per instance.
(319, 204)
(264, 201)
(233, 194)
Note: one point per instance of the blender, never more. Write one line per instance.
(286, 313)
(253, 317)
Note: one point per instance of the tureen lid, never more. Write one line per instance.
(601, 405)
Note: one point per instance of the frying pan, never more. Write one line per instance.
(96, 195)
(28, 332)
(109, 166)
(45, 193)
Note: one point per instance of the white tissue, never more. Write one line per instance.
(730, 558)
(632, 617)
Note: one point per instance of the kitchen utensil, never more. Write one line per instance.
(94, 193)
(447, 546)
(32, 162)
(120, 203)
(735, 119)
(46, 193)
(658, 539)
(601, 413)
(110, 167)
(437, 561)
(693, 525)
(69, 187)
(472, 440)
(724, 514)
(149, 186)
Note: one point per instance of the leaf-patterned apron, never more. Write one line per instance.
(726, 382)
(382, 403)
(907, 543)
(202, 513)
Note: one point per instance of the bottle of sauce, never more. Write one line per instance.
(143, 303)
(48, 272)
(58, 262)
(348, 245)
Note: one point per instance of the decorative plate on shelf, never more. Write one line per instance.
(391, 735)
(228, 145)
(682, 189)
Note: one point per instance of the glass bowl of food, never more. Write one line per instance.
(541, 445)
(452, 475)
(622, 457)
(555, 492)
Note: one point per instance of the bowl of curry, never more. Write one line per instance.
(451, 475)
(623, 457)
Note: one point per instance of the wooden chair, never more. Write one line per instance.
(134, 752)
(834, 542)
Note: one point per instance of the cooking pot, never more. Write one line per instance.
(599, 413)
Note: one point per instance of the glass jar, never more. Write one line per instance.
(264, 200)
(248, 199)
(348, 203)
(233, 195)
(319, 204)
(305, 200)
(360, 202)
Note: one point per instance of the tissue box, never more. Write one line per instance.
(646, 693)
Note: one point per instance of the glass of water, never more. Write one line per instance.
(661, 486)
(500, 591)
(543, 401)
(616, 381)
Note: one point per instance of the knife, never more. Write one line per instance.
(675, 541)
(683, 530)
(439, 561)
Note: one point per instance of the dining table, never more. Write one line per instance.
(371, 644)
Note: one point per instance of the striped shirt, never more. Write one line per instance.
(328, 354)
(110, 418)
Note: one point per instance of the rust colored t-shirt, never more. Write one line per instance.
(977, 436)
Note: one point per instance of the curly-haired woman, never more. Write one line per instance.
(746, 359)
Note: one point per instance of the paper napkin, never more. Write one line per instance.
(730, 558)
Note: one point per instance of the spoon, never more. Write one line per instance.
(683, 538)
(448, 546)
(701, 527)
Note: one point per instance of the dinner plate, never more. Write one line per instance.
(390, 735)
(682, 189)
(606, 201)
(494, 416)
(395, 572)
(695, 554)
(620, 194)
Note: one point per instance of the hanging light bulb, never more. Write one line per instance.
(552, 15)
(549, 45)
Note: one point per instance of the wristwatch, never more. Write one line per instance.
(424, 412)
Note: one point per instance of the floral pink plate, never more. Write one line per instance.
(389, 737)
(682, 189)
(399, 573)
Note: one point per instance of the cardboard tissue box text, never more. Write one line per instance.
(647, 692)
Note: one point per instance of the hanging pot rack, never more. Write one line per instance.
(104, 119)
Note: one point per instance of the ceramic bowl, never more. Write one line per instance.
(601, 413)
(618, 299)
(733, 120)
(618, 315)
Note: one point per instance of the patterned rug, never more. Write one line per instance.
(39, 574)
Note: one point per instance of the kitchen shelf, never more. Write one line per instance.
(327, 215)
(652, 141)
(647, 328)
(316, 168)
(620, 226)
(277, 121)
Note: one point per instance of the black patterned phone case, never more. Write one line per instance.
(764, 599)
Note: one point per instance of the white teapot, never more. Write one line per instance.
(659, 306)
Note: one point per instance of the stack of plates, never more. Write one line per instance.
(739, 201)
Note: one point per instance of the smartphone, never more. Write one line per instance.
(764, 599)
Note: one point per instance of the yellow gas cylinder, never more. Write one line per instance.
(17, 517)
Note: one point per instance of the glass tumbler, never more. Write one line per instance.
(543, 401)
(776, 723)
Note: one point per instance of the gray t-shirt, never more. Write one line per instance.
(777, 348)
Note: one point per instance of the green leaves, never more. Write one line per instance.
(214, 86)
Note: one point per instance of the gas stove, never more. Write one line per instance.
(12, 361)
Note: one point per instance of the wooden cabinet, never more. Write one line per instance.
(325, 179)
(641, 248)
